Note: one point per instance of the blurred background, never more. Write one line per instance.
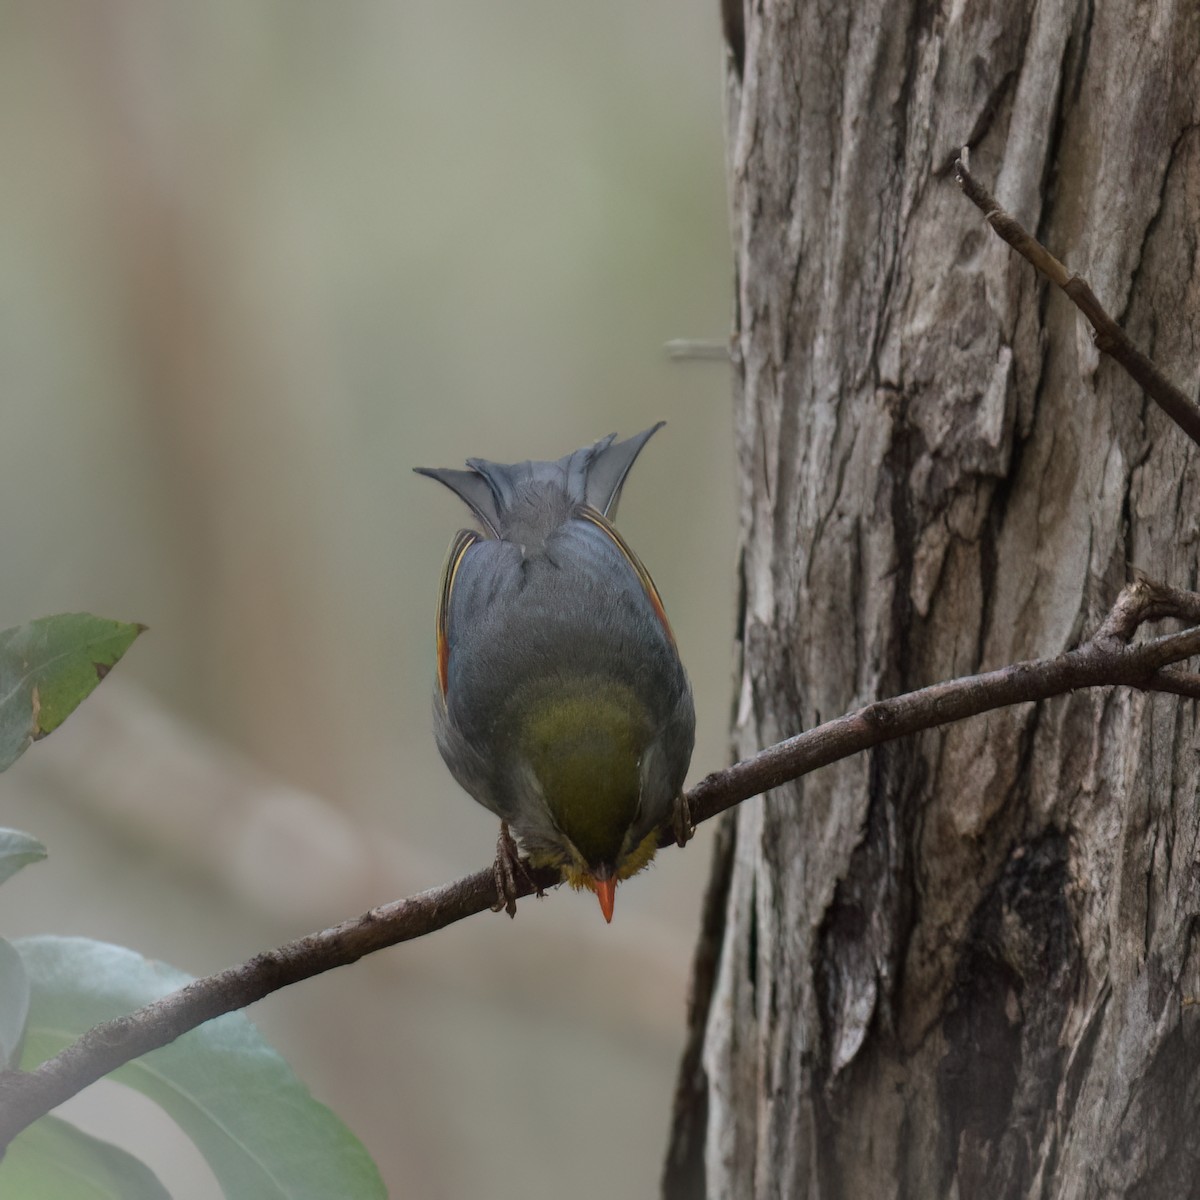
(258, 258)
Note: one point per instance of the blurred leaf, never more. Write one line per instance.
(52, 1160)
(47, 667)
(18, 850)
(14, 1003)
(235, 1097)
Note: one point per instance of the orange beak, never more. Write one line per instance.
(606, 893)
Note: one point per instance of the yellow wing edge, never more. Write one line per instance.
(463, 541)
(587, 513)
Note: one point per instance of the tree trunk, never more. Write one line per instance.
(961, 965)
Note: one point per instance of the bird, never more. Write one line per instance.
(561, 704)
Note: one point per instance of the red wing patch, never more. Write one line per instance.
(607, 527)
(463, 541)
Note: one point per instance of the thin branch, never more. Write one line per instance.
(1110, 338)
(1106, 659)
(697, 348)
(1177, 683)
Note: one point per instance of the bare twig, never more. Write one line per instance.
(1106, 659)
(697, 348)
(1110, 338)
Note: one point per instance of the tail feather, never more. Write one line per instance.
(593, 475)
(609, 467)
(474, 489)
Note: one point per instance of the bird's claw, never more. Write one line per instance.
(681, 820)
(509, 871)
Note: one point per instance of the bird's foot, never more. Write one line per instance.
(681, 820)
(510, 872)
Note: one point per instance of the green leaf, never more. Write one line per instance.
(47, 667)
(52, 1160)
(17, 850)
(235, 1097)
(14, 1004)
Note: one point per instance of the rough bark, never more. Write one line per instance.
(961, 965)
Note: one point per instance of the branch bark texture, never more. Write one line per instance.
(954, 966)
(1108, 658)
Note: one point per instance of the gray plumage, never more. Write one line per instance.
(546, 617)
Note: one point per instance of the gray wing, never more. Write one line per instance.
(478, 574)
(664, 766)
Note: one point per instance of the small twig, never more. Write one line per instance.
(1110, 338)
(680, 349)
(1105, 659)
(1102, 660)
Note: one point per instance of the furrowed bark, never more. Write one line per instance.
(958, 965)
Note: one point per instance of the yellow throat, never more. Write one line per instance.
(585, 744)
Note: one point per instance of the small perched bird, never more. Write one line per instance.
(561, 704)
